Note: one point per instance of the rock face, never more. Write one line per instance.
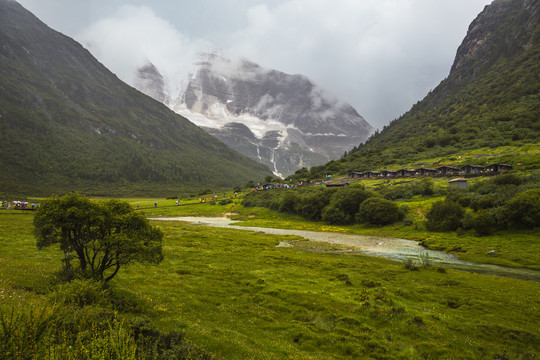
(284, 121)
(153, 83)
(504, 29)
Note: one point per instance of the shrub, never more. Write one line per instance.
(313, 202)
(334, 215)
(344, 205)
(483, 202)
(508, 179)
(410, 264)
(483, 222)
(427, 186)
(379, 211)
(268, 199)
(425, 259)
(288, 202)
(80, 292)
(398, 192)
(444, 216)
(523, 210)
(459, 196)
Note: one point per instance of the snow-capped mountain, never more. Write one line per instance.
(284, 121)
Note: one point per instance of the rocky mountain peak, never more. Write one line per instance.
(150, 79)
(288, 121)
(495, 34)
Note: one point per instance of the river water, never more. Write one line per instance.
(391, 248)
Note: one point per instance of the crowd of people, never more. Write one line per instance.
(18, 205)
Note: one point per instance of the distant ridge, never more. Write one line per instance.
(68, 123)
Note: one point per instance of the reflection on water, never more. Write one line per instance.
(391, 248)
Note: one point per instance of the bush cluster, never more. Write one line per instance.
(79, 320)
(502, 202)
(342, 206)
(407, 190)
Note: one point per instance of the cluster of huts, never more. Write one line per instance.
(467, 171)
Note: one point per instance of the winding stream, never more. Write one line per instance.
(391, 248)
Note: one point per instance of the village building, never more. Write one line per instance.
(388, 173)
(472, 169)
(405, 172)
(356, 174)
(426, 171)
(372, 174)
(498, 168)
(458, 183)
(447, 170)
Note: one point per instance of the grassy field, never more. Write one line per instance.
(241, 297)
(514, 249)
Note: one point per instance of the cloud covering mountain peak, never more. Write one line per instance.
(292, 122)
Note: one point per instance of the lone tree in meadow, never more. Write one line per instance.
(103, 236)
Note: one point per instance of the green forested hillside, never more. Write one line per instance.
(490, 100)
(67, 123)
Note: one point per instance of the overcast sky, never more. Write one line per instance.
(381, 56)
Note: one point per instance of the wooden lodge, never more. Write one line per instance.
(388, 173)
(371, 174)
(458, 183)
(448, 170)
(472, 169)
(498, 168)
(467, 170)
(426, 172)
(405, 172)
(356, 174)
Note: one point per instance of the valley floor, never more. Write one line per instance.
(241, 296)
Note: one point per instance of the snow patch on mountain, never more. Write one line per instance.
(284, 121)
(217, 117)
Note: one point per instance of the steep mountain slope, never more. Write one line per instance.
(490, 99)
(66, 123)
(284, 121)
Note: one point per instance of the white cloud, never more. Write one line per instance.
(381, 56)
(136, 35)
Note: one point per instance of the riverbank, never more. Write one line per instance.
(517, 249)
(397, 249)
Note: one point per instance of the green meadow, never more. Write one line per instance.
(236, 295)
(512, 249)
